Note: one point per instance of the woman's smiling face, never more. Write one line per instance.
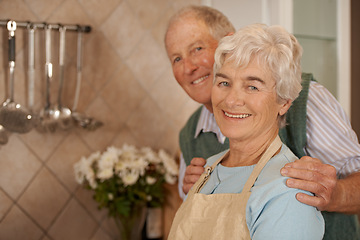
(245, 101)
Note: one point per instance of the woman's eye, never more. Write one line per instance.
(224, 84)
(198, 48)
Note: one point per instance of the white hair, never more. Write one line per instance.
(275, 48)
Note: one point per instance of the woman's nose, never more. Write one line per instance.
(235, 97)
(190, 66)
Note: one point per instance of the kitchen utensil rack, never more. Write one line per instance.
(79, 119)
(55, 26)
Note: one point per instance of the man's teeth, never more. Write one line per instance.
(237, 116)
(200, 80)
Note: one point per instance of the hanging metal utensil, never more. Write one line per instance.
(65, 119)
(48, 114)
(31, 66)
(13, 116)
(4, 138)
(31, 71)
(78, 70)
(80, 119)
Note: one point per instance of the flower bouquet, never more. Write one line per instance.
(126, 180)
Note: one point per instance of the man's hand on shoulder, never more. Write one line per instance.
(310, 174)
(192, 173)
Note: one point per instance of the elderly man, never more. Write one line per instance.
(323, 139)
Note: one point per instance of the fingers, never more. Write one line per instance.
(192, 173)
(326, 177)
(317, 202)
(186, 188)
(198, 162)
(190, 179)
(311, 175)
(196, 167)
(322, 194)
(310, 169)
(305, 162)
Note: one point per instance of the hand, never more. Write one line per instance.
(310, 174)
(192, 173)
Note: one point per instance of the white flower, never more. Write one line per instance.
(111, 196)
(107, 160)
(113, 151)
(150, 155)
(169, 163)
(127, 152)
(170, 178)
(129, 177)
(94, 157)
(140, 165)
(150, 180)
(130, 164)
(92, 183)
(82, 169)
(79, 175)
(105, 173)
(121, 166)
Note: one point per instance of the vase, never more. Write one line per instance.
(130, 227)
(153, 229)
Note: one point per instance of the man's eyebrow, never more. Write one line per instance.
(198, 42)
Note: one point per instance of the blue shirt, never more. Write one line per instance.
(272, 211)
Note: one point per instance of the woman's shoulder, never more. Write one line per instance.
(271, 171)
(270, 183)
(211, 160)
(272, 199)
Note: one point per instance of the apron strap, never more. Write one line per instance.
(270, 151)
(205, 176)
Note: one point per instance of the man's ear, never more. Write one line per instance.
(285, 107)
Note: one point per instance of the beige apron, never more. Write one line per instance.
(217, 216)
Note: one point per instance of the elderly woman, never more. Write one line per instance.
(242, 195)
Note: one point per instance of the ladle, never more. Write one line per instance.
(31, 71)
(48, 114)
(13, 116)
(65, 120)
(4, 138)
(80, 119)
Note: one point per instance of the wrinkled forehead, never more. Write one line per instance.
(183, 34)
(242, 61)
(253, 62)
(186, 23)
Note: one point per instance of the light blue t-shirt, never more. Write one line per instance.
(272, 211)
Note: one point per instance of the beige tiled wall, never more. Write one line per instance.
(127, 84)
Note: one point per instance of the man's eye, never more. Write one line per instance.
(253, 88)
(198, 48)
(177, 59)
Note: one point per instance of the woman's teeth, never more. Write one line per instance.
(237, 115)
(200, 79)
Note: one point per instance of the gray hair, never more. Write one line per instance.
(274, 47)
(217, 23)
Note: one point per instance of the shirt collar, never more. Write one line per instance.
(207, 123)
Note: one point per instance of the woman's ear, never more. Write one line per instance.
(229, 34)
(285, 107)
